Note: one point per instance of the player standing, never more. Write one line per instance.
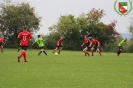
(24, 39)
(95, 46)
(88, 44)
(40, 43)
(120, 45)
(58, 45)
(2, 41)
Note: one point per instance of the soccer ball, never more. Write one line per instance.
(56, 54)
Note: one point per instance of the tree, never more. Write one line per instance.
(68, 27)
(14, 16)
(95, 28)
(131, 27)
(74, 29)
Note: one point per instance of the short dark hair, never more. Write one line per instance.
(25, 27)
(39, 36)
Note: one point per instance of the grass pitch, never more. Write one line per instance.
(70, 69)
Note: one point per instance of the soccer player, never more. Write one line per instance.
(40, 43)
(2, 41)
(58, 45)
(95, 46)
(120, 45)
(87, 43)
(24, 39)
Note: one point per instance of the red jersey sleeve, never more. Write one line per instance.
(30, 36)
(19, 35)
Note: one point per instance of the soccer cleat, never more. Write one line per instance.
(53, 52)
(18, 59)
(26, 61)
(58, 52)
(117, 54)
(88, 54)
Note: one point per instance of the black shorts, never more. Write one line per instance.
(58, 47)
(41, 47)
(0, 44)
(24, 47)
(120, 47)
(87, 47)
(96, 47)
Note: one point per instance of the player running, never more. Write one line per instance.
(1, 46)
(88, 44)
(40, 43)
(95, 46)
(24, 39)
(58, 45)
(120, 45)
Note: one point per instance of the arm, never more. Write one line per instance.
(121, 43)
(98, 44)
(3, 42)
(34, 41)
(82, 44)
(90, 44)
(30, 36)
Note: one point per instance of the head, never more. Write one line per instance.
(125, 39)
(39, 36)
(25, 28)
(93, 39)
(85, 36)
(61, 37)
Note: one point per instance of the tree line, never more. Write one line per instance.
(13, 16)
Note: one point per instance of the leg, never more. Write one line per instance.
(99, 52)
(25, 60)
(23, 53)
(55, 49)
(60, 48)
(44, 51)
(18, 49)
(120, 50)
(85, 51)
(40, 52)
(2, 48)
(92, 51)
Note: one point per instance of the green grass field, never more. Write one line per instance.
(70, 69)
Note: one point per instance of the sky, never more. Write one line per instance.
(50, 11)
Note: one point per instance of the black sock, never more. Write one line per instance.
(118, 52)
(45, 52)
(18, 49)
(39, 53)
